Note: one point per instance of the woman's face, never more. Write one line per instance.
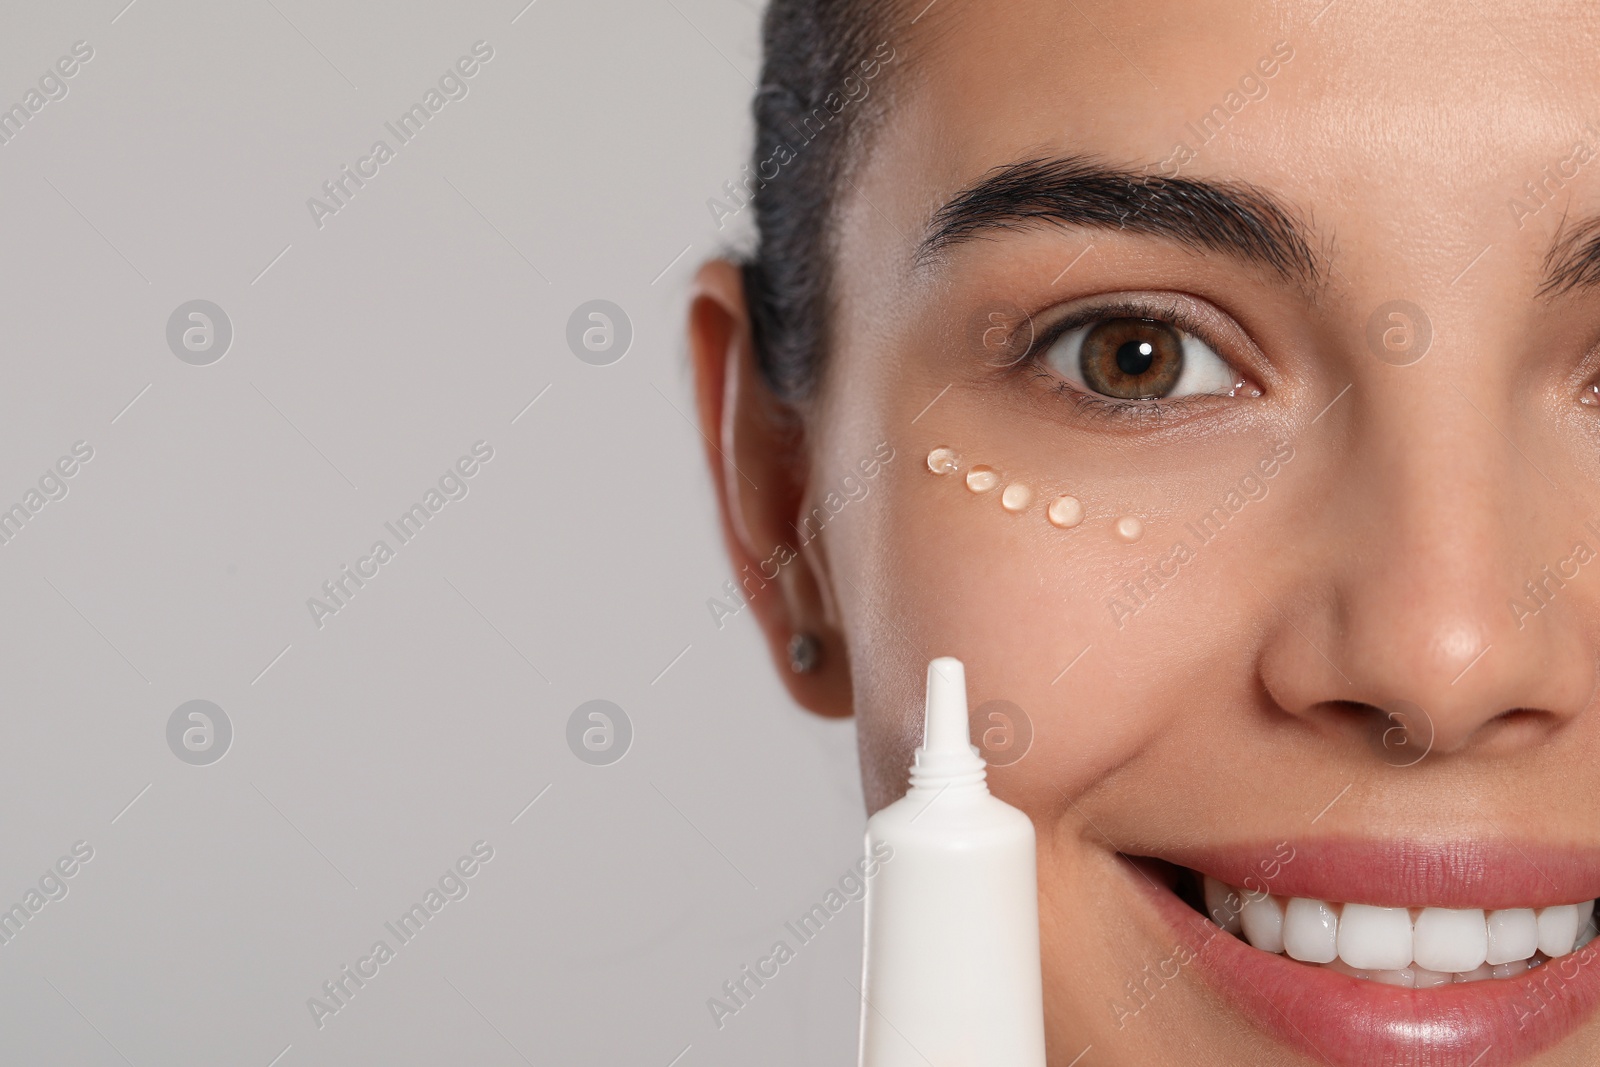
(1351, 655)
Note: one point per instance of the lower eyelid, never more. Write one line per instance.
(1097, 405)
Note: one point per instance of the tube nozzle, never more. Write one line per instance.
(944, 724)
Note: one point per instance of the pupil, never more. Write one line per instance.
(1134, 357)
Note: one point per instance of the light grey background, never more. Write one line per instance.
(368, 355)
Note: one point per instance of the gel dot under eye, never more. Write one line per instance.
(1130, 528)
(1016, 497)
(943, 461)
(981, 479)
(1066, 511)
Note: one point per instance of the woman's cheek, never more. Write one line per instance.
(941, 569)
(1097, 631)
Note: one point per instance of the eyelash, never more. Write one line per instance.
(1092, 405)
(1167, 310)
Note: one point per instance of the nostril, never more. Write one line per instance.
(1352, 714)
(1399, 732)
(1356, 715)
(1516, 726)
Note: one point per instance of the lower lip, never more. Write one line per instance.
(1350, 1022)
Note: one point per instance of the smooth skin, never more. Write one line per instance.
(1376, 574)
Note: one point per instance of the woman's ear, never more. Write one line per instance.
(754, 448)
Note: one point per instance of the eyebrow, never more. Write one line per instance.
(1573, 261)
(1231, 217)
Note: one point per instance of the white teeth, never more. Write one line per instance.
(1513, 935)
(1450, 939)
(1375, 939)
(1417, 948)
(1558, 929)
(1427, 979)
(1509, 970)
(1310, 931)
(1405, 977)
(1354, 972)
(1222, 904)
(1262, 920)
(1586, 924)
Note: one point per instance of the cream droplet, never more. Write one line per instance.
(943, 461)
(981, 479)
(1130, 528)
(1066, 511)
(1016, 497)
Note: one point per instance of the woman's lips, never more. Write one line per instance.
(1333, 1018)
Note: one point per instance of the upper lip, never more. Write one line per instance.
(1445, 874)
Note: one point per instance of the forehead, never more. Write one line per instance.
(1407, 125)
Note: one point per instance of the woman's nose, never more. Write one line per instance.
(1444, 588)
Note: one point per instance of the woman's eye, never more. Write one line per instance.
(1138, 359)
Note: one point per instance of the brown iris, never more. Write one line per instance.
(1132, 359)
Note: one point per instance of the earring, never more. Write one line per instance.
(804, 652)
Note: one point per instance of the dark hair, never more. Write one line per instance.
(810, 48)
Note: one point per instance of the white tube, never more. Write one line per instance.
(950, 974)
